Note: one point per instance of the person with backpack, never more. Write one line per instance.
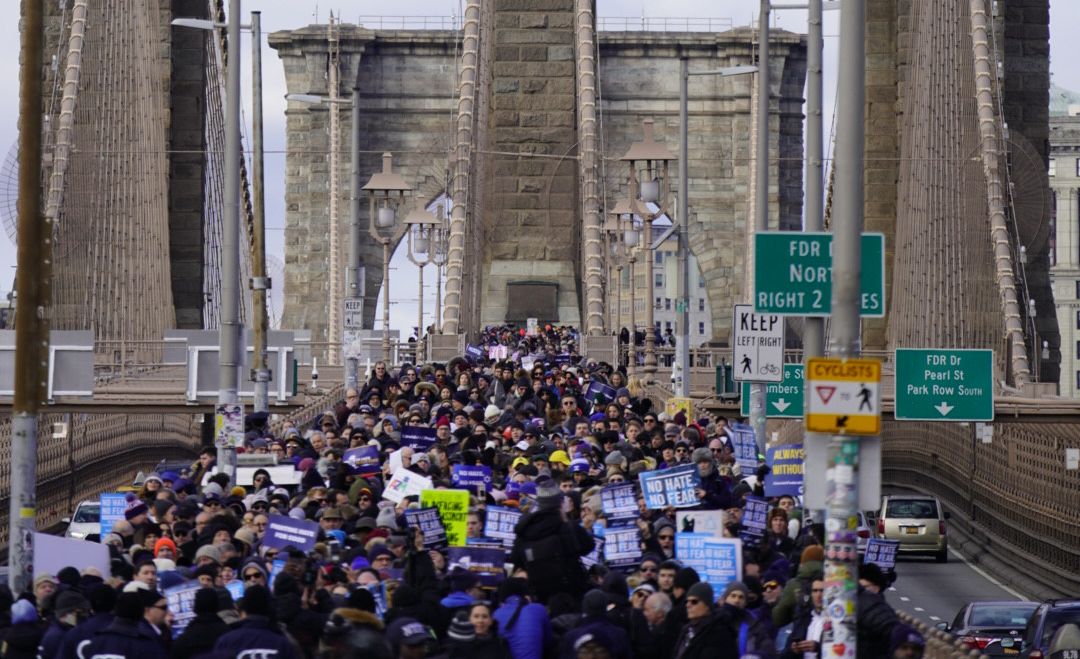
(523, 623)
(550, 548)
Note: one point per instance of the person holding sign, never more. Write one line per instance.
(550, 548)
(713, 493)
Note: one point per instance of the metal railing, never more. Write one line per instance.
(662, 24)
(410, 22)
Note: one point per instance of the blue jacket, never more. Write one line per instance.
(123, 638)
(83, 633)
(456, 600)
(603, 631)
(256, 634)
(531, 632)
(52, 640)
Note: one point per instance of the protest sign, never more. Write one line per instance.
(742, 440)
(754, 521)
(485, 563)
(362, 461)
(709, 522)
(622, 546)
(283, 531)
(430, 524)
(882, 552)
(562, 359)
(594, 557)
(453, 508)
(405, 483)
(619, 504)
(236, 589)
(500, 524)
(785, 470)
(670, 487)
(473, 353)
(53, 553)
(471, 478)
(527, 363)
(419, 438)
(718, 561)
(599, 393)
(113, 505)
(181, 602)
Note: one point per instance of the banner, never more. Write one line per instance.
(622, 547)
(709, 522)
(718, 561)
(882, 552)
(113, 505)
(754, 521)
(742, 440)
(471, 478)
(599, 393)
(53, 553)
(485, 563)
(675, 405)
(283, 531)
(405, 483)
(453, 508)
(419, 438)
(429, 522)
(362, 461)
(672, 487)
(619, 504)
(500, 524)
(473, 353)
(785, 470)
(181, 601)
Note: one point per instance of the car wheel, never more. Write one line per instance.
(942, 556)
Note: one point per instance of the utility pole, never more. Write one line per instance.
(682, 345)
(260, 283)
(814, 327)
(231, 327)
(843, 490)
(33, 289)
(761, 196)
(354, 274)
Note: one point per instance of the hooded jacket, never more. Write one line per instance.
(200, 636)
(786, 607)
(256, 633)
(123, 638)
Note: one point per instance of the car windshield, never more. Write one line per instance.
(1001, 615)
(1056, 618)
(89, 514)
(912, 509)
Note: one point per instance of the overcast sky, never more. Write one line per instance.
(288, 14)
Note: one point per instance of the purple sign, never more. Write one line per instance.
(471, 478)
(419, 438)
(500, 524)
(485, 563)
(362, 461)
(284, 531)
(597, 390)
(430, 524)
(620, 504)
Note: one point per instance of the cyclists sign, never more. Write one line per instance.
(842, 396)
(759, 345)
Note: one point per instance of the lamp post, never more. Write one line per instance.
(649, 187)
(613, 254)
(439, 253)
(386, 191)
(631, 238)
(421, 227)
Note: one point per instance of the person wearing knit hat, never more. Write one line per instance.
(905, 642)
(684, 579)
(136, 511)
(704, 634)
(124, 637)
(461, 631)
(70, 609)
(165, 548)
(811, 566)
(205, 629)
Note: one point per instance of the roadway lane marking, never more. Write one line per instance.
(982, 573)
(920, 609)
(905, 599)
(892, 589)
(935, 618)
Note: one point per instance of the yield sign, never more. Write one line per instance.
(826, 393)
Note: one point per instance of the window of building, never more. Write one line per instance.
(667, 325)
(1078, 320)
(701, 282)
(1078, 289)
(659, 258)
(701, 328)
(1078, 349)
(659, 303)
(667, 304)
(658, 280)
(701, 304)
(1078, 166)
(1078, 379)
(1053, 167)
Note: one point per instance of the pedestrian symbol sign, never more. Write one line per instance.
(944, 385)
(843, 396)
(759, 345)
(783, 400)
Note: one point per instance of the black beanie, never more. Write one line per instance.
(129, 606)
(68, 576)
(102, 598)
(362, 599)
(256, 601)
(206, 601)
(686, 577)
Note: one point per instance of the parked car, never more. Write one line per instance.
(865, 531)
(918, 522)
(995, 629)
(1044, 623)
(85, 523)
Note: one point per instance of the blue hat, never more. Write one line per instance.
(337, 534)
(579, 464)
(170, 476)
(22, 612)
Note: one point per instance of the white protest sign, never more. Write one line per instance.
(405, 483)
(53, 553)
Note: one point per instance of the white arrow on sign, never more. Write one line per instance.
(781, 405)
(944, 408)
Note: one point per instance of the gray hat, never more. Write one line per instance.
(735, 586)
(701, 455)
(388, 518)
(210, 552)
(703, 591)
(69, 601)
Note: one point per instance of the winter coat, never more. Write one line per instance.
(607, 633)
(751, 635)
(488, 647)
(200, 636)
(876, 620)
(123, 638)
(531, 631)
(82, 633)
(365, 638)
(256, 633)
(53, 640)
(717, 493)
(709, 638)
(551, 549)
(796, 592)
(22, 640)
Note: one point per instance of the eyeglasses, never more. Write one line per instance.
(650, 420)
(252, 576)
(647, 569)
(163, 607)
(692, 601)
(772, 586)
(680, 450)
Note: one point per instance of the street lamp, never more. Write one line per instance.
(386, 191)
(612, 243)
(439, 253)
(649, 189)
(422, 227)
(618, 251)
(628, 231)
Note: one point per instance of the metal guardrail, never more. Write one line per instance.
(410, 22)
(662, 24)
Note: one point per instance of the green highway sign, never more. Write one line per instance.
(793, 274)
(944, 385)
(783, 400)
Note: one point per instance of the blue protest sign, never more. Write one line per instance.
(622, 546)
(786, 470)
(562, 359)
(430, 524)
(742, 440)
(718, 561)
(672, 487)
(881, 552)
(181, 603)
(473, 353)
(420, 438)
(596, 556)
(283, 531)
(485, 563)
(599, 389)
(754, 521)
(362, 461)
(471, 478)
(619, 504)
(113, 505)
(500, 524)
